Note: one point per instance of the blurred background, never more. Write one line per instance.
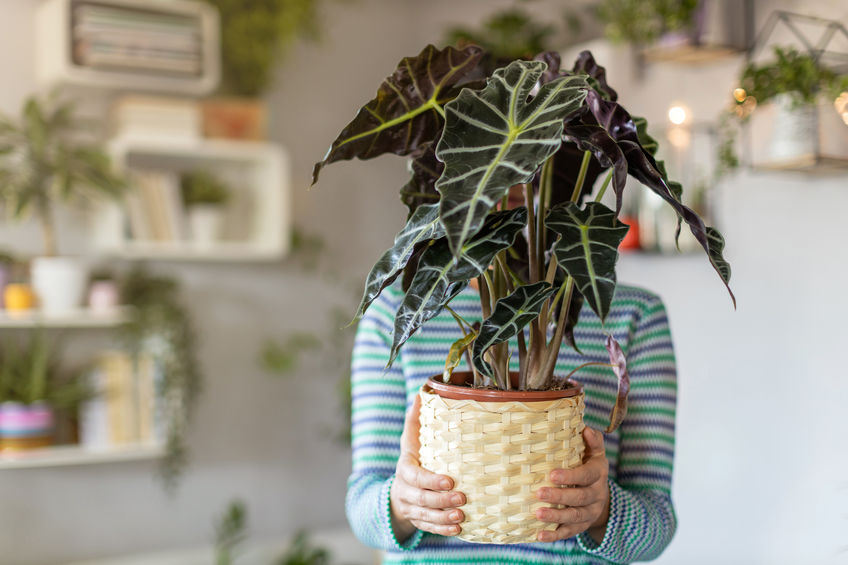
(181, 226)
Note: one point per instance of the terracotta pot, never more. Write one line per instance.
(499, 447)
(234, 118)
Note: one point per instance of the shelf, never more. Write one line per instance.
(77, 318)
(55, 60)
(60, 456)
(257, 218)
(690, 54)
(809, 164)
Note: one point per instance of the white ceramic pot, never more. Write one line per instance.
(205, 222)
(795, 134)
(59, 283)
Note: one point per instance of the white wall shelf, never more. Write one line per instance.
(77, 318)
(257, 222)
(66, 455)
(55, 62)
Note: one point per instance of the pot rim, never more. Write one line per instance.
(452, 391)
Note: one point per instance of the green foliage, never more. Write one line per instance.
(255, 35)
(230, 532)
(281, 358)
(42, 161)
(202, 187)
(644, 21)
(29, 373)
(799, 75)
(303, 552)
(507, 34)
(161, 326)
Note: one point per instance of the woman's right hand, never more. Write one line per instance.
(421, 499)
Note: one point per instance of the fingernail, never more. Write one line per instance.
(456, 499)
(455, 516)
(544, 494)
(446, 484)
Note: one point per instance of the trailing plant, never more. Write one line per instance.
(258, 34)
(202, 187)
(43, 161)
(644, 21)
(547, 133)
(799, 75)
(161, 326)
(230, 533)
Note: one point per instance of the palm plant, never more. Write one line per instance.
(534, 129)
(43, 162)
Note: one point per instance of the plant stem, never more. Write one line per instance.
(545, 182)
(589, 364)
(604, 187)
(484, 284)
(552, 351)
(533, 259)
(48, 232)
(522, 361)
(478, 381)
(581, 177)
(557, 298)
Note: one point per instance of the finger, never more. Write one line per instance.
(409, 440)
(429, 498)
(564, 531)
(415, 513)
(440, 529)
(575, 496)
(571, 515)
(584, 475)
(414, 474)
(594, 441)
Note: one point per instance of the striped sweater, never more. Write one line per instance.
(640, 452)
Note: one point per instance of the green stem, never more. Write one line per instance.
(604, 187)
(581, 177)
(545, 184)
(533, 259)
(460, 320)
(557, 298)
(552, 350)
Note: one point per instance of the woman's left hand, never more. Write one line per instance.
(586, 496)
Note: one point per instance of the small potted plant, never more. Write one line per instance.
(254, 37)
(205, 197)
(43, 164)
(643, 22)
(794, 82)
(543, 135)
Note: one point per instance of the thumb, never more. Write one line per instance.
(594, 442)
(409, 440)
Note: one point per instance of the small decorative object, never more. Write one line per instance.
(18, 297)
(25, 426)
(42, 164)
(204, 196)
(6, 262)
(103, 292)
(543, 134)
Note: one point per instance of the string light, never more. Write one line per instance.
(739, 94)
(677, 115)
(841, 105)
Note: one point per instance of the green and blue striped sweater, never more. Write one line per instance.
(642, 520)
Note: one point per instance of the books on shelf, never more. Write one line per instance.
(126, 408)
(155, 207)
(136, 39)
(157, 118)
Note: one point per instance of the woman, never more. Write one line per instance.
(618, 502)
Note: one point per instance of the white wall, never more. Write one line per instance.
(760, 475)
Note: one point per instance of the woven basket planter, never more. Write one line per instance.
(499, 452)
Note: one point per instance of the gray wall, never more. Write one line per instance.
(760, 474)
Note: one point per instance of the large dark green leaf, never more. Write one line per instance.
(588, 249)
(422, 226)
(716, 241)
(497, 137)
(404, 114)
(425, 170)
(440, 277)
(510, 315)
(619, 367)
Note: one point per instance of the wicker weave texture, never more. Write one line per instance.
(499, 454)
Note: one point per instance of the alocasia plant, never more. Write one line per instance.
(535, 129)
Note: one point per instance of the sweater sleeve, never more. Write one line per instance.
(642, 519)
(379, 404)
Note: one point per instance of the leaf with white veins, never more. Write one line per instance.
(497, 137)
(510, 315)
(588, 249)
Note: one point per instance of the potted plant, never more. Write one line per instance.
(641, 22)
(204, 196)
(254, 37)
(43, 163)
(543, 134)
(794, 82)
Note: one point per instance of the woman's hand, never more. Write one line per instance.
(586, 497)
(421, 499)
